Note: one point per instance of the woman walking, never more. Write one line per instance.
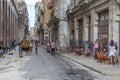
(112, 52)
(53, 47)
(20, 51)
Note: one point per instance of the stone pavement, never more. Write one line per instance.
(10, 66)
(89, 62)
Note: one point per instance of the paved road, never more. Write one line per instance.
(47, 67)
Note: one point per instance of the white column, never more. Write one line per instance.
(76, 33)
(113, 21)
(114, 11)
(85, 30)
(94, 24)
(76, 36)
(64, 36)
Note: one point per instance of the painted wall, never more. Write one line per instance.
(64, 28)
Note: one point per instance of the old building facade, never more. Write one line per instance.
(32, 33)
(23, 19)
(58, 22)
(8, 22)
(37, 24)
(41, 21)
(44, 17)
(94, 19)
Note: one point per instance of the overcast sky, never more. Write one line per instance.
(31, 10)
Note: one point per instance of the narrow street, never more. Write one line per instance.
(47, 67)
(86, 34)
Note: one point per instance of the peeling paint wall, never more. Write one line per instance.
(64, 28)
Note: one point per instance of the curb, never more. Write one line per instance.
(88, 67)
(95, 70)
(83, 64)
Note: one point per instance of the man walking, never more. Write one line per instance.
(53, 46)
(36, 47)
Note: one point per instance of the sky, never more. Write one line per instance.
(31, 11)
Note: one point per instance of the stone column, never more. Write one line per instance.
(64, 36)
(85, 31)
(114, 19)
(94, 27)
(76, 34)
(94, 23)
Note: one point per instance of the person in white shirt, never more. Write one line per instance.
(112, 52)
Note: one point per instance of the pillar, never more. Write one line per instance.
(85, 31)
(94, 24)
(76, 34)
(64, 36)
(94, 28)
(114, 26)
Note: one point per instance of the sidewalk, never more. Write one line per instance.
(10, 66)
(89, 62)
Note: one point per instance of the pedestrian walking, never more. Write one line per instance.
(53, 47)
(12, 45)
(48, 47)
(112, 51)
(20, 51)
(1, 52)
(36, 47)
(31, 46)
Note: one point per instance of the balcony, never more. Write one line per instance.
(50, 4)
(82, 2)
(118, 2)
(70, 6)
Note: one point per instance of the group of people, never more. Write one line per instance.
(51, 47)
(27, 49)
(81, 51)
(106, 52)
(101, 54)
(8, 47)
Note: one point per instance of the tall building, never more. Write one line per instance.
(8, 22)
(58, 22)
(46, 16)
(37, 24)
(94, 19)
(43, 19)
(32, 33)
(23, 19)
